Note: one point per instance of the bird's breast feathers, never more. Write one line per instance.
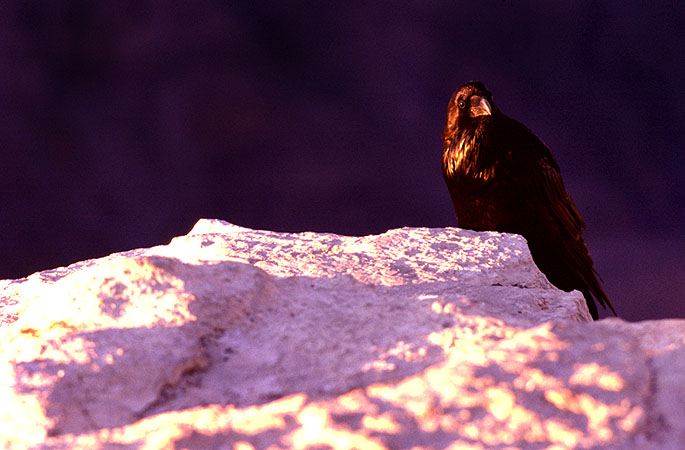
(466, 158)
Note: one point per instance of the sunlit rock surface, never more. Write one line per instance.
(416, 338)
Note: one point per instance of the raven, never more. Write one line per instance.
(502, 177)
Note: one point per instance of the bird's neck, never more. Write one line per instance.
(467, 155)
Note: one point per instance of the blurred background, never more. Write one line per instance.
(124, 122)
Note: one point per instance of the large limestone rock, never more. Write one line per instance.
(416, 338)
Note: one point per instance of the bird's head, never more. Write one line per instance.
(471, 102)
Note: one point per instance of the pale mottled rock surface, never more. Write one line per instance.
(238, 338)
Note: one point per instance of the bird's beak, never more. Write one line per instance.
(480, 106)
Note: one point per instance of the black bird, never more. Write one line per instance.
(502, 177)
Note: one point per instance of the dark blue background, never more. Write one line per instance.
(122, 123)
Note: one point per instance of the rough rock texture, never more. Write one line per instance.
(416, 338)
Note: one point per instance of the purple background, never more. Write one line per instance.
(122, 123)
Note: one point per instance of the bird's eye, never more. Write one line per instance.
(461, 104)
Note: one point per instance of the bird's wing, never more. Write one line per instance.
(541, 182)
(558, 215)
(555, 197)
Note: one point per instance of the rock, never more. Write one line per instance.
(237, 338)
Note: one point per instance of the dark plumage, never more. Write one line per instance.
(501, 177)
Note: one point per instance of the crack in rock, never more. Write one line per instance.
(185, 373)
